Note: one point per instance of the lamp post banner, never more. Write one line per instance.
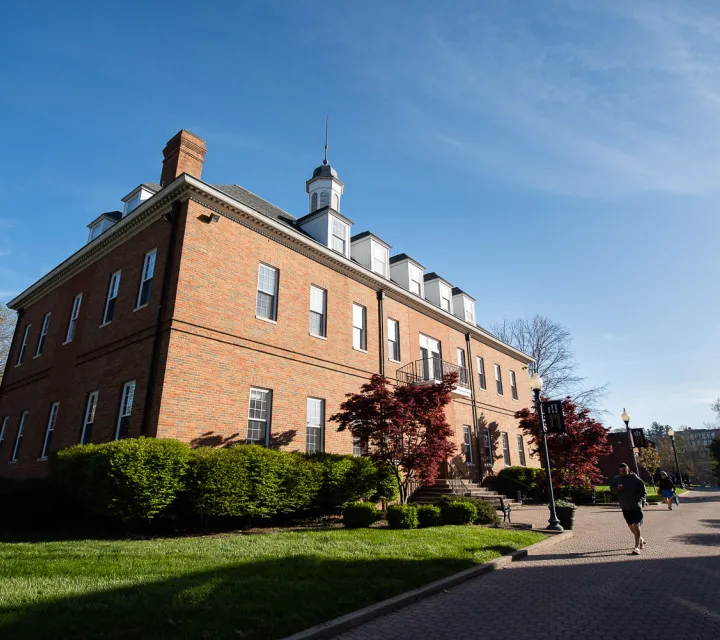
(638, 436)
(554, 418)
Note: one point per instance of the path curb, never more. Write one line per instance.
(334, 627)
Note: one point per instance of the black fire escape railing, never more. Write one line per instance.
(432, 370)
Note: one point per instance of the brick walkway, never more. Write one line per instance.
(588, 586)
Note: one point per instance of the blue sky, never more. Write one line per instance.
(560, 158)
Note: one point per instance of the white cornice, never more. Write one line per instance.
(186, 187)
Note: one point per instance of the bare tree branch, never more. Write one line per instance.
(550, 344)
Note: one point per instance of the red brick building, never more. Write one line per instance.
(205, 313)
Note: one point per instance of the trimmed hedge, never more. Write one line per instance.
(457, 512)
(141, 479)
(360, 515)
(428, 516)
(402, 516)
(486, 513)
(131, 479)
(510, 480)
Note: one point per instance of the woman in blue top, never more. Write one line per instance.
(667, 489)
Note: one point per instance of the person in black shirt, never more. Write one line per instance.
(667, 489)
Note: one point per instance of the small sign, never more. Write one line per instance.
(554, 419)
(638, 436)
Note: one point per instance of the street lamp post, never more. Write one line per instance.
(536, 384)
(671, 435)
(626, 419)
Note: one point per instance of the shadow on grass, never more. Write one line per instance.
(265, 599)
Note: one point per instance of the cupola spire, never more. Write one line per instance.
(324, 188)
(327, 128)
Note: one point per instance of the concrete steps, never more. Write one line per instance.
(444, 487)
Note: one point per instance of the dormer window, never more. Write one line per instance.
(136, 197)
(439, 291)
(371, 252)
(338, 239)
(444, 297)
(407, 273)
(416, 280)
(102, 223)
(379, 259)
(464, 306)
(95, 231)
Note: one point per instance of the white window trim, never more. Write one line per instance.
(49, 429)
(322, 336)
(118, 273)
(499, 388)
(331, 235)
(19, 436)
(481, 370)
(3, 428)
(522, 460)
(23, 346)
(321, 426)
(43, 335)
(363, 328)
(268, 416)
(274, 317)
(513, 385)
(123, 400)
(505, 442)
(74, 315)
(93, 395)
(397, 336)
(144, 278)
(468, 444)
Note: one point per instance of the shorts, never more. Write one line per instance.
(633, 516)
(666, 493)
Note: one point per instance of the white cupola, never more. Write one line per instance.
(324, 189)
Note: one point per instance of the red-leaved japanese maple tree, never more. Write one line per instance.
(402, 426)
(574, 454)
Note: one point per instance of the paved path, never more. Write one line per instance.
(588, 586)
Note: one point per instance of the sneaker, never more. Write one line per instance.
(670, 507)
(642, 543)
(636, 551)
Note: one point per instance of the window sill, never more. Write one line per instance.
(42, 459)
(268, 320)
(66, 342)
(39, 355)
(105, 324)
(360, 350)
(315, 335)
(12, 461)
(395, 361)
(140, 307)
(18, 365)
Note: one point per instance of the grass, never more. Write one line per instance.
(651, 491)
(226, 586)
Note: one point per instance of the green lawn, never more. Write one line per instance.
(651, 491)
(227, 586)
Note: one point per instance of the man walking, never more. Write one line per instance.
(631, 493)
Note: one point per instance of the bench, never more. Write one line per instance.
(506, 509)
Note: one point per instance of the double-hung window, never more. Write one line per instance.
(359, 327)
(49, 430)
(393, 328)
(379, 259)
(498, 380)
(315, 422)
(481, 373)
(445, 297)
(463, 373)
(72, 324)
(259, 415)
(112, 295)
(43, 334)
(415, 280)
(266, 302)
(338, 238)
(488, 448)
(358, 449)
(19, 437)
(89, 418)
(146, 278)
(467, 445)
(126, 403)
(513, 386)
(23, 346)
(506, 448)
(318, 305)
(521, 450)
(3, 428)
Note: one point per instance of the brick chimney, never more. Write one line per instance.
(184, 153)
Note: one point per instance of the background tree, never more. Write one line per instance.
(693, 455)
(715, 406)
(573, 454)
(7, 327)
(714, 449)
(493, 445)
(404, 427)
(649, 459)
(657, 432)
(667, 458)
(550, 344)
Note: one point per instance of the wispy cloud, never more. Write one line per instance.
(600, 99)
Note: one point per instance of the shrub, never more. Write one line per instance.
(36, 503)
(428, 516)
(486, 512)
(565, 504)
(131, 479)
(457, 512)
(359, 515)
(249, 480)
(654, 499)
(402, 516)
(386, 486)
